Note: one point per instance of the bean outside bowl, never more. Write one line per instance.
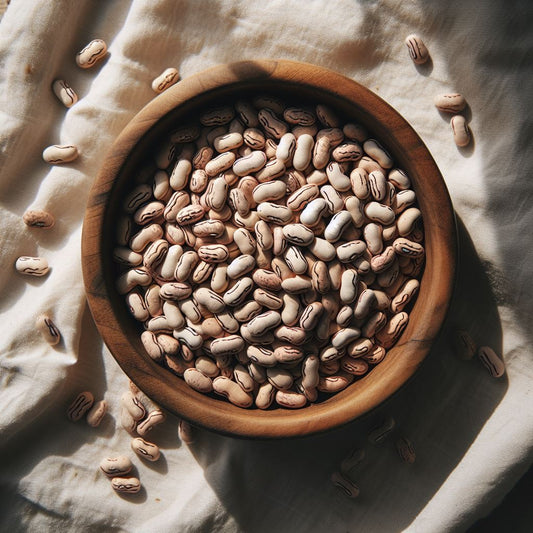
(136, 145)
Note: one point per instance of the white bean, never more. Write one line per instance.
(166, 79)
(64, 93)
(450, 103)
(417, 49)
(336, 226)
(91, 53)
(461, 132)
(58, 154)
(339, 181)
(80, 406)
(145, 450)
(314, 211)
(374, 149)
(116, 466)
(96, 413)
(348, 289)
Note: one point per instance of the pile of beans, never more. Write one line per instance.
(273, 253)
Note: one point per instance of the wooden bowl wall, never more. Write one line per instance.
(122, 169)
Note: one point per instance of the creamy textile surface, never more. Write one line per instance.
(473, 434)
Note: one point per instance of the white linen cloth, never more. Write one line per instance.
(473, 434)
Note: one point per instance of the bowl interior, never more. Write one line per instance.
(131, 162)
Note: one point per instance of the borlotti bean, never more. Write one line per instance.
(79, 407)
(32, 266)
(128, 485)
(461, 131)
(272, 257)
(64, 93)
(116, 466)
(167, 78)
(91, 53)
(133, 406)
(145, 450)
(450, 103)
(417, 49)
(152, 419)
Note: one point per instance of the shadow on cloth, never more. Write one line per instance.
(42, 439)
(441, 410)
(499, 73)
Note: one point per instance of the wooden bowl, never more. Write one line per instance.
(300, 82)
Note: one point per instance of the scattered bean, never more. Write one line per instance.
(128, 485)
(79, 407)
(461, 131)
(146, 450)
(96, 413)
(116, 466)
(64, 93)
(91, 53)
(133, 406)
(152, 419)
(492, 361)
(167, 78)
(450, 103)
(58, 154)
(417, 49)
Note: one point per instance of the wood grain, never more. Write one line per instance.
(295, 81)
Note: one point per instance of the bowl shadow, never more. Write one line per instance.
(441, 410)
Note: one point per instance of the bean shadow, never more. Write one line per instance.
(285, 482)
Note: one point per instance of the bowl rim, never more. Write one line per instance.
(221, 416)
